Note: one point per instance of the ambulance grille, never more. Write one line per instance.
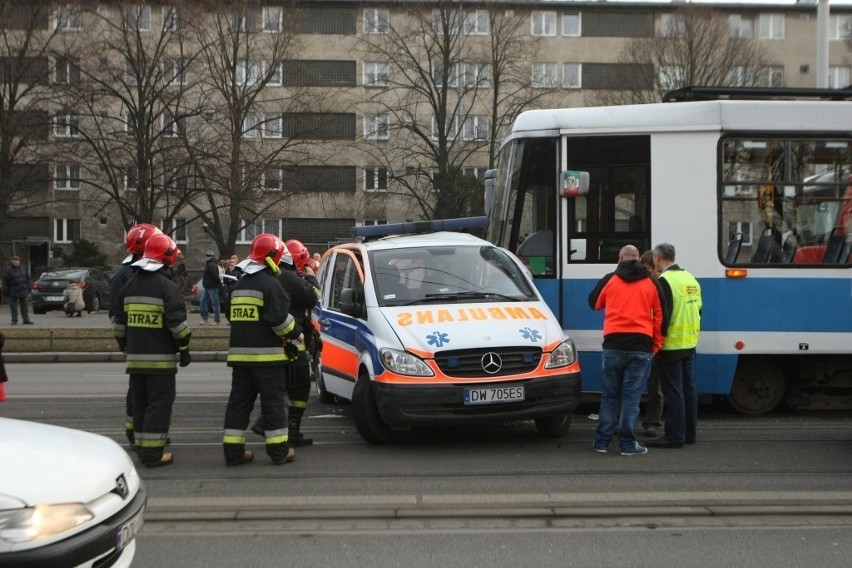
(466, 363)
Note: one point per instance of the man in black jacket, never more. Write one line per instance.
(16, 281)
(211, 282)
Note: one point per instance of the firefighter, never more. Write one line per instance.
(150, 329)
(134, 242)
(260, 327)
(297, 380)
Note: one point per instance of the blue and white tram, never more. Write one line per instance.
(756, 196)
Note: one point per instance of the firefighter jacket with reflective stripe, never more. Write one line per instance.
(302, 295)
(151, 326)
(684, 296)
(260, 321)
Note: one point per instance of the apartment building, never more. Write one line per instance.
(325, 114)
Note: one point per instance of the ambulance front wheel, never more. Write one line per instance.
(554, 426)
(365, 413)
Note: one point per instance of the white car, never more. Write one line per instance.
(67, 498)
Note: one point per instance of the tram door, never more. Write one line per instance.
(617, 209)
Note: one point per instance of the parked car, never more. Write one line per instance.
(67, 498)
(47, 290)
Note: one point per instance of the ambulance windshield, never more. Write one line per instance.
(457, 274)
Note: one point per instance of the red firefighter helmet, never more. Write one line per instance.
(266, 245)
(138, 235)
(161, 248)
(300, 253)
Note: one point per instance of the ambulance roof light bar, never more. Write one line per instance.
(416, 227)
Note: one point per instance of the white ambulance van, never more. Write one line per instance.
(440, 328)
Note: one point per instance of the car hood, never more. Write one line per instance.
(431, 328)
(50, 464)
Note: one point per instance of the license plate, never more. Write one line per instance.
(55, 298)
(494, 395)
(128, 531)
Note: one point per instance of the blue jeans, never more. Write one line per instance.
(680, 399)
(211, 294)
(624, 376)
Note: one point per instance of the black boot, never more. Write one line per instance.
(294, 436)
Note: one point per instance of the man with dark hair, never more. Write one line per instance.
(211, 283)
(676, 359)
(634, 327)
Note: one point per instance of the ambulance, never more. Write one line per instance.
(439, 328)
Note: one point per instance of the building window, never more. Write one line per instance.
(246, 72)
(273, 74)
(771, 26)
(176, 71)
(176, 178)
(452, 75)
(839, 26)
(475, 173)
(247, 232)
(69, 18)
(476, 22)
(838, 77)
(272, 126)
(66, 125)
(67, 177)
(572, 75)
(66, 230)
(273, 20)
(246, 21)
(173, 126)
(543, 23)
(130, 77)
(476, 75)
(250, 125)
(273, 226)
(771, 76)
(671, 77)
(131, 180)
(451, 130)
(138, 18)
(272, 179)
(671, 25)
(740, 25)
(66, 71)
(376, 21)
(476, 128)
(571, 25)
(375, 179)
(176, 229)
(376, 126)
(544, 75)
(173, 19)
(376, 73)
(737, 227)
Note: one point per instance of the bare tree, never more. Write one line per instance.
(135, 101)
(26, 40)
(697, 47)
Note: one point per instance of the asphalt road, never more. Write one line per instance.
(764, 491)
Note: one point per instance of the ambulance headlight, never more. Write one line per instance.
(562, 356)
(405, 363)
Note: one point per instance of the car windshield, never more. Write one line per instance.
(447, 274)
(64, 275)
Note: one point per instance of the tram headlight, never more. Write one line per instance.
(562, 356)
(405, 363)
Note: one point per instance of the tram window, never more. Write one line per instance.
(793, 194)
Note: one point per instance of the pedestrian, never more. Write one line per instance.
(3, 376)
(676, 359)
(229, 280)
(633, 330)
(74, 303)
(651, 420)
(211, 283)
(150, 328)
(134, 244)
(302, 291)
(16, 281)
(260, 324)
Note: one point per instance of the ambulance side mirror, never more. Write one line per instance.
(352, 302)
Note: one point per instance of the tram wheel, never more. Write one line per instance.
(758, 388)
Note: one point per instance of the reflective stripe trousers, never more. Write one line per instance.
(246, 383)
(152, 397)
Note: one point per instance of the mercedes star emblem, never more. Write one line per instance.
(491, 363)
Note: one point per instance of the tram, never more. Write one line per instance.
(753, 187)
